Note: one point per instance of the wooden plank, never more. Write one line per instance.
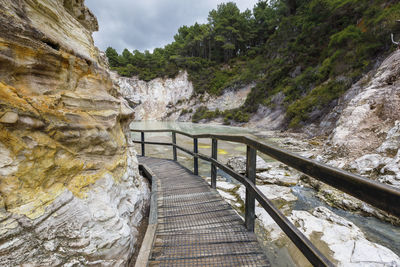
(148, 240)
(147, 245)
(195, 226)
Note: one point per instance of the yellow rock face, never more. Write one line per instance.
(62, 115)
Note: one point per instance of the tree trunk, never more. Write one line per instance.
(292, 5)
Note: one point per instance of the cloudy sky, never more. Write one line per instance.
(148, 24)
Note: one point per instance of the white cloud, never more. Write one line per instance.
(149, 24)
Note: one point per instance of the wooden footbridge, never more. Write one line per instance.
(191, 225)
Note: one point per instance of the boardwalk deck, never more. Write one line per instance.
(195, 226)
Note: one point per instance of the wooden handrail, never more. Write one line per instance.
(374, 193)
(377, 194)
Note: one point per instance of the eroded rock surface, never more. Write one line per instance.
(70, 191)
(365, 123)
(272, 172)
(151, 100)
(366, 137)
(238, 164)
(173, 99)
(346, 242)
(339, 239)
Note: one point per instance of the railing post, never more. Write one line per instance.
(174, 146)
(251, 159)
(142, 135)
(195, 158)
(214, 153)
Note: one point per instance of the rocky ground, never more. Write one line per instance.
(338, 238)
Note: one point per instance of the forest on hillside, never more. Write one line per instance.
(301, 54)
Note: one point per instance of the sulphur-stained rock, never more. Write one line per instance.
(9, 117)
(70, 191)
(81, 13)
(31, 122)
(101, 226)
(8, 165)
(343, 241)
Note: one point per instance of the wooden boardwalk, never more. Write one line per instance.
(195, 226)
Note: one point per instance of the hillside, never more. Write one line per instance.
(301, 55)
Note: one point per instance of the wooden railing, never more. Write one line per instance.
(378, 195)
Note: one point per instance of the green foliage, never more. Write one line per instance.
(203, 113)
(112, 56)
(317, 99)
(311, 51)
(236, 115)
(233, 115)
(185, 111)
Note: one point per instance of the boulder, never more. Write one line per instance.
(238, 164)
(346, 242)
(9, 117)
(392, 143)
(279, 174)
(369, 163)
(278, 194)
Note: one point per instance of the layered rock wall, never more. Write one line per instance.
(151, 100)
(173, 99)
(70, 192)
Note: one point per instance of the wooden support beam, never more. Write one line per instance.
(143, 144)
(195, 158)
(250, 196)
(214, 154)
(175, 157)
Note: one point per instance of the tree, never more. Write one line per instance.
(266, 21)
(112, 56)
(231, 30)
(126, 57)
(292, 6)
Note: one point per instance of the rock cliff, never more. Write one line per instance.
(151, 100)
(70, 191)
(365, 135)
(372, 112)
(172, 99)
